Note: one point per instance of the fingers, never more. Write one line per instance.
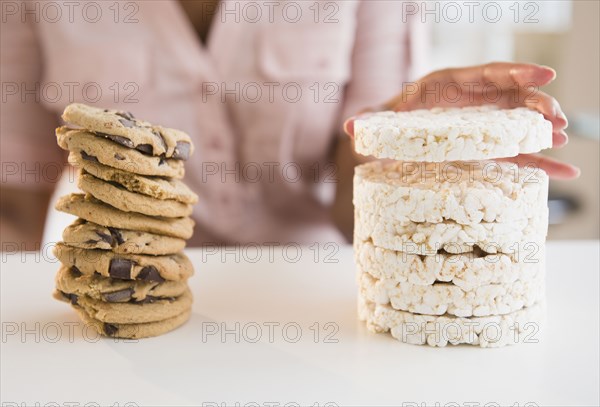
(554, 168)
(543, 103)
(506, 85)
(504, 74)
(558, 169)
(532, 98)
(349, 123)
(464, 86)
(559, 139)
(471, 81)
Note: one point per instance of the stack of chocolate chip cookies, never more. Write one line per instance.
(450, 250)
(122, 265)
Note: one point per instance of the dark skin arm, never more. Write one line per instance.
(22, 215)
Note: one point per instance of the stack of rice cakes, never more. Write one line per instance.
(451, 250)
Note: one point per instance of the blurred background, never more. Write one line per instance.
(562, 34)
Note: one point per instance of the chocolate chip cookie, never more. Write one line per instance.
(123, 128)
(156, 187)
(70, 280)
(92, 210)
(123, 267)
(89, 235)
(119, 197)
(130, 312)
(174, 267)
(134, 331)
(91, 147)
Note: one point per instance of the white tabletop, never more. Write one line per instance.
(42, 362)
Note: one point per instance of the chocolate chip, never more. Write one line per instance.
(120, 268)
(88, 157)
(127, 123)
(127, 119)
(119, 296)
(110, 329)
(105, 238)
(71, 297)
(161, 138)
(124, 141)
(149, 299)
(182, 150)
(117, 236)
(145, 148)
(150, 273)
(75, 272)
(119, 157)
(125, 115)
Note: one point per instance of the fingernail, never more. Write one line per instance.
(551, 70)
(563, 117)
(564, 141)
(572, 172)
(349, 127)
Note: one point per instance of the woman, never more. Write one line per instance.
(262, 88)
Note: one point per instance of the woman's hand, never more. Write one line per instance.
(506, 85)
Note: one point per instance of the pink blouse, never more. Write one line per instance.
(263, 101)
